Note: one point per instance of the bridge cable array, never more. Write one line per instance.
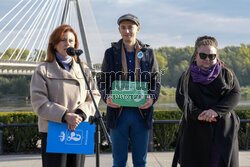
(26, 26)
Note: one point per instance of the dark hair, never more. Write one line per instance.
(56, 37)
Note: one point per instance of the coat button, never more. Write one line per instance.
(78, 102)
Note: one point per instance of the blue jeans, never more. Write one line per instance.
(130, 126)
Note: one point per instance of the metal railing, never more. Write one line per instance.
(151, 142)
(150, 146)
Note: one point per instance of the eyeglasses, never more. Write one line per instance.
(210, 56)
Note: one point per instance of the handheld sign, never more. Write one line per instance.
(62, 140)
(128, 93)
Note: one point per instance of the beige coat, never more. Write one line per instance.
(55, 91)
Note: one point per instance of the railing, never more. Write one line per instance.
(19, 61)
(151, 143)
(10, 67)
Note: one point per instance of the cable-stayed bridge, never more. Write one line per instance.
(25, 30)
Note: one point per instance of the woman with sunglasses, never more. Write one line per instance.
(207, 94)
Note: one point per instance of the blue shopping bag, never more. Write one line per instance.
(62, 140)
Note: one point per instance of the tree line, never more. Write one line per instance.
(174, 61)
(21, 54)
(14, 86)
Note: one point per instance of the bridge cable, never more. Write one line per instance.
(11, 10)
(29, 32)
(57, 21)
(46, 31)
(13, 30)
(43, 21)
(15, 16)
(41, 29)
(23, 28)
(13, 40)
(34, 27)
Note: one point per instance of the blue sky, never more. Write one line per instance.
(179, 22)
(164, 22)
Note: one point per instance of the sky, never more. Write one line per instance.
(178, 22)
(163, 22)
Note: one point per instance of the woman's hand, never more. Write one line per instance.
(73, 120)
(111, 104)
(208, 116)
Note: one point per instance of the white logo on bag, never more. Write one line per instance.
(74, 136)
(71, 138)
(62, 136)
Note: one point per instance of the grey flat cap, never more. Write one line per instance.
(129, 17)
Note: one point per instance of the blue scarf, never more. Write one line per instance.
(65, 60)
(205, 77)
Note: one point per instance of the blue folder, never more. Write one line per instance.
(62, 140)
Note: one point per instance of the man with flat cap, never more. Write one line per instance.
(132, 61)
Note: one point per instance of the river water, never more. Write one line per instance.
(162, 104)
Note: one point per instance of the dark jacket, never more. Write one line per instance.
(198, 137)
(112, 70)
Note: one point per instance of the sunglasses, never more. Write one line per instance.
(210, 56)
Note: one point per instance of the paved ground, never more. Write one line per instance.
(156, 159)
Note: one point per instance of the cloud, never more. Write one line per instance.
(173, 18)
(217, 23)
(163, 39)
(127, 2)
(122, 2)
(173, 24)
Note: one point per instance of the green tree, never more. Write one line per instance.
(176, 60)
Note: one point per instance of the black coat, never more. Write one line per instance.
(196, 138)
(112, 70)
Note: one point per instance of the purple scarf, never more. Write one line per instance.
(205, 77)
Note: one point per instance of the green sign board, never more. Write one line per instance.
(128, 93)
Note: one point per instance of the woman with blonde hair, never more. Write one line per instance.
(207, 94)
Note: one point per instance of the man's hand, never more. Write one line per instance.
(149, 103)
(111, 104)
